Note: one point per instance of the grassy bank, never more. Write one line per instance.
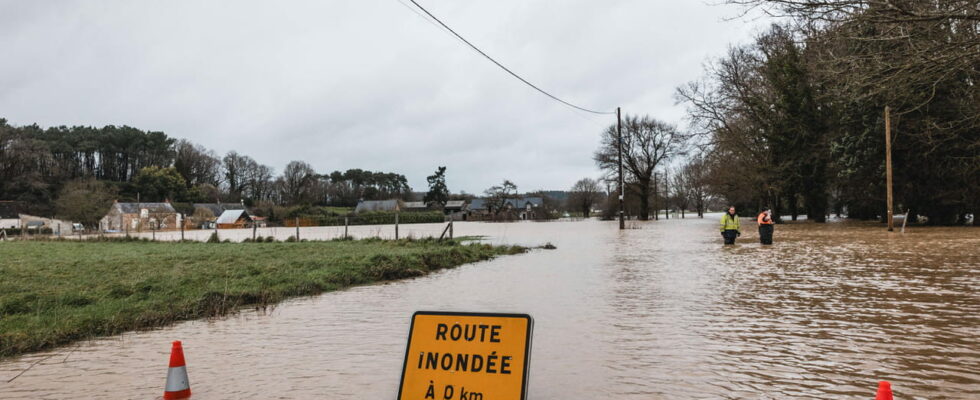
(52, 293)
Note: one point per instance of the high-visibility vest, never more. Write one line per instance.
(729, 223)
(763, 219)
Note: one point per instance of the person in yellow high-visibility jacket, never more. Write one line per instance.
(729, 226)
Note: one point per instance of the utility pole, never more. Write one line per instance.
(622, 187)
(656, 199)
(139, 214)
(888, 167)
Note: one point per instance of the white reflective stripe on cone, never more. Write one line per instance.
(177, 379)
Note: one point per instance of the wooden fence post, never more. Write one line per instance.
(396, 225)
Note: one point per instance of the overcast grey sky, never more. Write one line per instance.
(363, 83)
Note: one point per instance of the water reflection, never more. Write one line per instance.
(663, 311)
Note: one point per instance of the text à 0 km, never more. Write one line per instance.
(466, 356)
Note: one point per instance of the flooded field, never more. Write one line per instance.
(658, 311)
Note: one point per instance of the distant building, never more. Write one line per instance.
(57, 226)
(455, 209)
(234, 219)
(206, 215)
(523, 208)
(125, 217)
(9, 215)
(415, 206)
(378, 205)
(12, 217)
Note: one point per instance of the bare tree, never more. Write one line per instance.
(695, 177)
(498, 195)
(584, 194)
(680, 190)
(647, 143)
(298, 180)
(234, 170)
(198, 165)
(899, 43)
(85, 200)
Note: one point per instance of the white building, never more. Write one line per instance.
(9, 217)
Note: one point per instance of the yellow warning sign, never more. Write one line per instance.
(466, 356)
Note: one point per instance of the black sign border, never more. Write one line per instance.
(527, 341)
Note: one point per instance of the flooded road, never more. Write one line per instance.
(660, 311)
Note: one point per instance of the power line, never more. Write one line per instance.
(505, 68)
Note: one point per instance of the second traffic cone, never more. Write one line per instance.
(178, 387)
(884, 391)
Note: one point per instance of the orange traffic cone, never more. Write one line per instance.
(884, 391)
(178, 387)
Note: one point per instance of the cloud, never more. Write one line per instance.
(363, 84)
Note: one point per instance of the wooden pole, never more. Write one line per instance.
(297, 229)
(888, 167)
(622, 188)
(656, 199)
(346, 224)
(255, 229)
(451, 229)
(396, 225)
(906, 219)
(182, 222)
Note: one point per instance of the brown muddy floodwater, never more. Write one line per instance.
(662, 311)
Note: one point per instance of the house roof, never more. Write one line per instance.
(378, 205)
(156, 208)
(232, 216)
(478, 204)
(455, 203)
(9, 209)
(481, 204)
(218, 208)
(523, 202)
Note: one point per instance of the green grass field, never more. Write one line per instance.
(53, 293)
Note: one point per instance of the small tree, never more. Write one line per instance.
(202, 215)
(680, 191)
(84, 200)
(585, 193)
(438, 192)
(694, 175)
(497, 196)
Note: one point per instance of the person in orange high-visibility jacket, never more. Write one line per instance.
(729, 226)
(766, 226)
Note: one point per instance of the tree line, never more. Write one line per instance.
(795, 121)
(88, 166)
